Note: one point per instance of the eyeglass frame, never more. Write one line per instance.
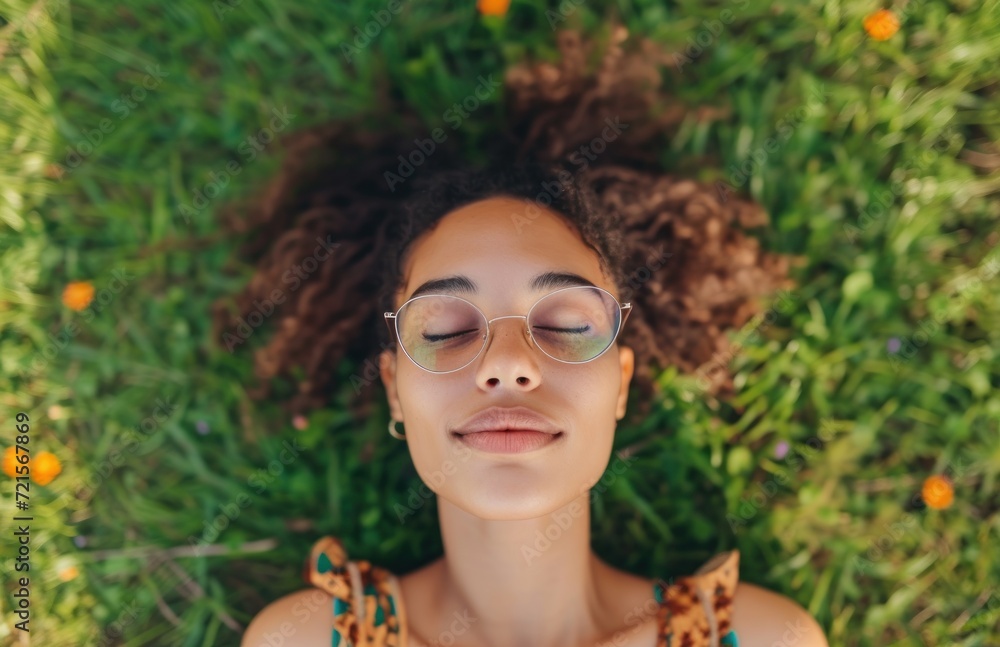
(624, 311)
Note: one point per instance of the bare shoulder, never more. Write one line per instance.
(763, 617)
(306, 615)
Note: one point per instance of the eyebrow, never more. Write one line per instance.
(464, 285)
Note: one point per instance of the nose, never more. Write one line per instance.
(509, 360)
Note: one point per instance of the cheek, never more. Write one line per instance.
(426, 402)
(593, 392)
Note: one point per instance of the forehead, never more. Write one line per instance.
(500, 243)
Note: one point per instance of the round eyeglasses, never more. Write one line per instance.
(442, 333)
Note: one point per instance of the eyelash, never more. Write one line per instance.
(434, 338)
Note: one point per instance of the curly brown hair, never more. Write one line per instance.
(673, 246)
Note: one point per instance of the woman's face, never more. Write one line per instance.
(500, 252)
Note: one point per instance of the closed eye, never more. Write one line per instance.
(564, 330)
(433, 338)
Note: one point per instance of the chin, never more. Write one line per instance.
(509, 499)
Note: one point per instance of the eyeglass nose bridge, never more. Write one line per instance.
(525, 317)
(489, 331)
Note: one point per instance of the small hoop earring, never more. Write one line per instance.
(392, 430)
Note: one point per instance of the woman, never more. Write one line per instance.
(505, 295)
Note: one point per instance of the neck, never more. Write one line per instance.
(517, 583)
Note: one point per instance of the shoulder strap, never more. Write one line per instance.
(364, 608)
(696, 610)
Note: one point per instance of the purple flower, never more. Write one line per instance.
(780, 450)
(80, 541)
(893, 344)
(202, 427)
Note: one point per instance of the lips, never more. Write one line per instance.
(507, 419)
(513, 441)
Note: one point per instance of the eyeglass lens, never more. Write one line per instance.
(443, 333)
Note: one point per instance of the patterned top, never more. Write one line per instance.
(368, 608)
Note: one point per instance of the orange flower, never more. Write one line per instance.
(45, 467)
(10, 462)
(78, 295)
(937, 492)
(493, 7)
(882, 24)
(68, 573)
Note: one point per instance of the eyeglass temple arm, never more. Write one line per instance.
(390, 318)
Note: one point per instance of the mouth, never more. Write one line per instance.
(508, 430)
(507, 441)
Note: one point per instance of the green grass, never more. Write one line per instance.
(832, 523)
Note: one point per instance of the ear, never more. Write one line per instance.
(387, 369)
(626, 358)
